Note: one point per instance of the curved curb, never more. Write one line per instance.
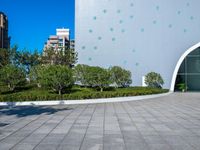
(88, 101)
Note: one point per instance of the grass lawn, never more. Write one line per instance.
(30, 93)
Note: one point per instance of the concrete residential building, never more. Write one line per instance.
(59, 41)
(4, 38)
(72, 44)
(142, 36)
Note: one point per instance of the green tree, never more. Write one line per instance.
(57, 77)
(28, 60)
(14, 56)
(93, 76)
(120, 77)
(4, 57)
(50, 56)
(65, 56)
(12, 76)
(80, 73)
(154, 80)
(36, 74)
(69, 57)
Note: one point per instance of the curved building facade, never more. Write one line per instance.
(141, 36)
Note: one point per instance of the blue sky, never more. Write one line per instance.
(32, 21)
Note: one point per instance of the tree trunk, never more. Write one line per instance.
(60, 92)
(39, 85)
(11, 88)
(101, 89)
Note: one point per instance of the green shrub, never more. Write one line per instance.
(12, 76)
(93, 76)
(57, 78)
(120, 77)
(42, 94)
(154, 80)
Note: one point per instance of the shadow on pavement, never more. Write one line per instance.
(30, 110)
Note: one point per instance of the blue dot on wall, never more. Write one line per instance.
(137, 64)
(99, 38)
(123, 30)
(121, 21)
(125, 62)
(191, 18)
(179, 12)
(157, 7)
(154, 22)
(131, 4)
(104, 11)
(83, 47)
(90, 30)
(131, 16)
(95, 47)
(133, 50)
(113, 39)
(185, 30)
(111, 29)
(90, 58)
(188, 4)
(118, 11)
(142, 30)
(94, 18)
(170, 26)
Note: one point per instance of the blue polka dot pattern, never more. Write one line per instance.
(142, 30)
(90, 30)
(99, 38)
(104, 11)
(121, 21)
(125, 62)
(83, 47)
(113, 39)
(94, 18)
(123, 30)
(120, 28)
(118, 11)
(131, 4)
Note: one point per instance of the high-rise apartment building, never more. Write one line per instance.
(59, 41)
(72, 44)
(4, 38)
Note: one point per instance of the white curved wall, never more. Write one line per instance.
(180, 61)
(139, 35)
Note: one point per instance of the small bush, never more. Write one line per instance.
(57, 78)
(12, 76)
(154, 80)
(120, 77)
(81, 94)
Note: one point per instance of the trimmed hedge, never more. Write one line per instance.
(77, 94)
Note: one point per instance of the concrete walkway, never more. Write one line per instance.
(165, 123)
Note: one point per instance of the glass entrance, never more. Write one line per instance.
(188, 77)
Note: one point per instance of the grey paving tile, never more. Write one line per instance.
(167, 123)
